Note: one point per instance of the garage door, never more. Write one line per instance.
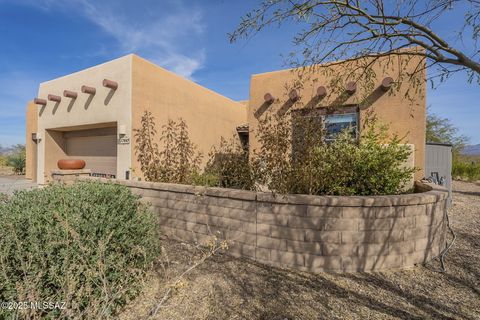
(99, 152)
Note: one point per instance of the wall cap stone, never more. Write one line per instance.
(426, 193)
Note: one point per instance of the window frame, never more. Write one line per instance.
(323, 112)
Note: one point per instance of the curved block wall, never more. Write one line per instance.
(310, 233)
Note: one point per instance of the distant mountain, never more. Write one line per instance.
(5, 150)
(473, 150)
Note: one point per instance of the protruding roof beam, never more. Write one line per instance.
(351, 87)
(268, 98)
(39, 101)
(89, 90)
(53, 97)
(70, 94)
(321, 92)
(293, 95)
(110, 84)
(386, 83)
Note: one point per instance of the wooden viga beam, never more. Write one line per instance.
(321, 92)
(387, 83)
(54, 98)
(293, 95)
(268, 98)
(70, 94)
(351, 87)
(88, 90)
(41, 102)
(110, 84)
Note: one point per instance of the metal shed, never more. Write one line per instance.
(438, 165)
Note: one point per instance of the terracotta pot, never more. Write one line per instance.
(71, 164)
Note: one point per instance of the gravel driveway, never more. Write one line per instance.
(11, 183)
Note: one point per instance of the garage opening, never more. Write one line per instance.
(96, 146)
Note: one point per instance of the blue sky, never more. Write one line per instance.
(45, 39)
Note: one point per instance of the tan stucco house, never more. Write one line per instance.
(91, 114)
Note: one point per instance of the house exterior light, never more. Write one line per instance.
(36, 136)
(122, 130)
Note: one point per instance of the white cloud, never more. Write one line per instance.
(181, 64)
(166, 32)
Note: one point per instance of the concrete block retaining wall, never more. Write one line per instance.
(310, 233)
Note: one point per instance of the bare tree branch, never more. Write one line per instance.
(348, 29)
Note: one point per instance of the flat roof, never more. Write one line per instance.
(439, 144)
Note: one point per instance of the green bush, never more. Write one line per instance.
(373, 165)
(3, 161)
(368, 167)
(205, 179)
(176, 161)
(88, 245)
(293, 158)
(465, 168)
(229, 164)
(17, 159)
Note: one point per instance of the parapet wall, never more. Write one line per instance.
(310, 233)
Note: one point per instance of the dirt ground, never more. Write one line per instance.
(6, 171)
(228, 288)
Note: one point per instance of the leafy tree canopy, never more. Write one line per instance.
(442, 130)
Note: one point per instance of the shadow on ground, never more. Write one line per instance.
(229, 288)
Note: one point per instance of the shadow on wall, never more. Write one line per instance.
(367, 102)
(70, 104)
(109, 96)
(88, 101)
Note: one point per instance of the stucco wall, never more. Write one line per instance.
(209, 115)
(31, 121)
(312, 233)
(106, 106)
(404, 116)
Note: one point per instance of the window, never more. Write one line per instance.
(336, 123)
(306, 123)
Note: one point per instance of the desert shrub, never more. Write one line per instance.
(3, 160)
(466, 168)
(16, 159)
(293, 157)
(205, 179)
(229, 164)
(369, 167)
(374, 165)
(88, 245)
(176, 161)
(272, 162)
